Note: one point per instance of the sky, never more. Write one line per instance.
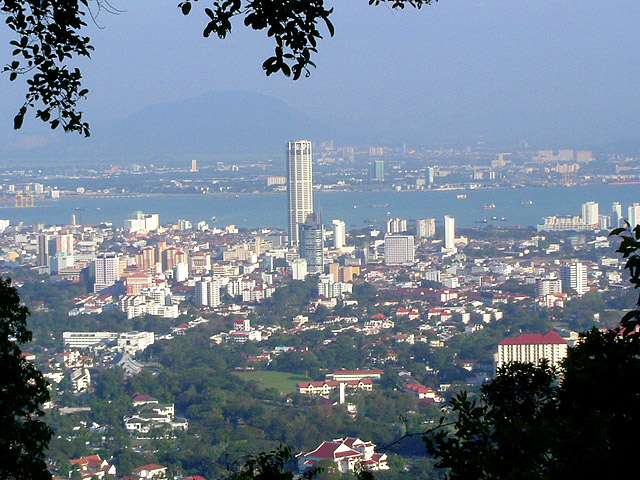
(561, 73)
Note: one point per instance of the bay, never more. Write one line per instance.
(519, 206)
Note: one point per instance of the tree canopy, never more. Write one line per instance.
(49, 33)
(23, 390)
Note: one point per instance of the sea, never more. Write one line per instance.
(524, 206)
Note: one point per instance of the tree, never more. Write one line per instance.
(48, 34)
(23, 390)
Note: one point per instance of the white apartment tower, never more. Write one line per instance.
(107, 270)
(634, 215)
(590, 214)
(574, 276)
(426, 228)
(449, 233)
(208, 292)
(299, 186)
(339, 234)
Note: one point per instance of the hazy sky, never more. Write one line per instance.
(563, 72)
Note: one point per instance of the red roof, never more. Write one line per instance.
(535, 339)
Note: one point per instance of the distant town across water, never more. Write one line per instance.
(471, 208)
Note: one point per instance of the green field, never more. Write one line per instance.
(284, 382)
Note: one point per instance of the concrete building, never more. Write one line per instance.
(298, 268)
(616, 215)
(590, 214)
(299, 186)
(312, 244)
(533, 348)
(398, 249)
(633, 216)
(426, 228)
(107, 270)
(574, 276)
(339, 234)
(208, 292)
(449, 233)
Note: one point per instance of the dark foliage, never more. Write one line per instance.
(23, 390)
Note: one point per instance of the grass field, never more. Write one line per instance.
(284, 382)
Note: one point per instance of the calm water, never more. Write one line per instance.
(356, 209)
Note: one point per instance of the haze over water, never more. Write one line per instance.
(357, 209)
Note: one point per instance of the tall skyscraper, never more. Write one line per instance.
(398, 249)
(616, 219)
(107, 270)
(194, 165)
(590, 214)
(634, 215)
(431, 174)
(574, 276)
(312, 244)
(300, 186)
(449, 233)
(339, 234)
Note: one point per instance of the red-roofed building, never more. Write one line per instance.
(93, 466)
(533, 347)
(150, 471)
(347, 453)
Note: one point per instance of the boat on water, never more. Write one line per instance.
(528, 202)
(461, 196)
(503, 219)
(484, 220)
(490, 206)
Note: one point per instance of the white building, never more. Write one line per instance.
(426, 228)
(396, 225)
(532, 347)
(208, 292)
(398, 249)
(634, 215)
(133, 342)
(107, 270)
(449, 233)
(339, 234)
(574, 276)
(590, 214)
(298, 268)
(87, 339)
(299, 186)
(545, 286)
(140, 222)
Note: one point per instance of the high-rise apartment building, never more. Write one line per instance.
(590, 214)
(194, 165)
(431, 174)
(616, 217)
(396, 225)
(208, 292)
(574, 276)
(398, 249)
(339, 233)
(43, 250)
(107, 270)
(300, 186)
(377, 170)
(634, 215)
(449, 233)
(312, 244)
(426, 228)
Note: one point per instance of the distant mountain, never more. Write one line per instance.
(214, 123)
